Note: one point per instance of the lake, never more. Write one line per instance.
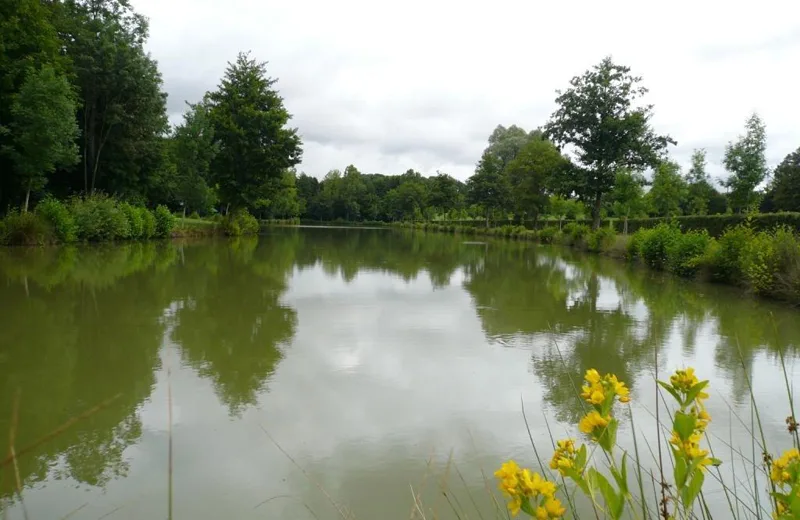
(308, 367)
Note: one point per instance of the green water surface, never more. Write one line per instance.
(355, 364)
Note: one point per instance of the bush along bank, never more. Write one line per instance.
(715, 225)
(99, 218)
(763, 262)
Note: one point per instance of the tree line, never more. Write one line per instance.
(596, 156)
(82, 110)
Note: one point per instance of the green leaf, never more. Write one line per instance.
(690, 492)
(716, 462)
(526, 507)
(608, 437)
(680, 471)
(579, 480)
(580, 457)
(691, 395)
(614, 502)
(684, 424)
(672, 391)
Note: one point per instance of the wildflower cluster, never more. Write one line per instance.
(529, 492)
(601, 392)
(785, 474)
(688, 427)
(566, 458)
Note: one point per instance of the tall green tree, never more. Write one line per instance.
(43, 129)
(529, 175)
(506, 143)
(668, 190)
(628, 196)
(786, 183)
(444, 193)
(600, 116)
(700, 191)
(250, 123)
(28, 42)
(122, 114)
(194, 148)
(745, 159)
(488, 188)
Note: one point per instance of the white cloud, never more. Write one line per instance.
(422, 84)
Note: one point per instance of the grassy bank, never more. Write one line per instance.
(99, 218)
(763, 262)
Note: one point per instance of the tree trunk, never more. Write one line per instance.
(598, 199)
(487, 219)
(625, 225)
(27, 196)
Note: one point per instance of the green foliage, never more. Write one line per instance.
(687, 252)
(726, 258)
(747, 162)
(601, 239)
(786, 183)
(530, 173)
(25, 229)
(135, 222)
(548, 234)
(634, 249)
(668, 191)
(249, 121)
(148, 223)
(601, 116)
(60, 219)
(165, 221)
(240, 223)
(43, 128)
(489, 187)
(574, 232)
(99, 218)
(656, 243)
(628, 195)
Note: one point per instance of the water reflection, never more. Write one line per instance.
(361, 349)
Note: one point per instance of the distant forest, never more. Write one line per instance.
(83, 110)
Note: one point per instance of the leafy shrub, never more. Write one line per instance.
(726, 259)
(241, 223)
(134, 216)
(687, 252)
(786, 285)
(546, 235)
(574, 232)
(601, 240)
(165, 221)
(148, 223)
(99, 218)
(59, 217)
(653, 248)
(25, 229)
(635, 243)
(195, 215)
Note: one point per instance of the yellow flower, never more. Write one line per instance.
(597, 397)
(784, 466)
(541, 513)
(508, 475)
(592, 421)
(592, 376)
(564, 456)
(554, 508)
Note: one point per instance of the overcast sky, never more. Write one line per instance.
(421, 84)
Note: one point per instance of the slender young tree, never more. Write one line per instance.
(746, 161)
(43, 129)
